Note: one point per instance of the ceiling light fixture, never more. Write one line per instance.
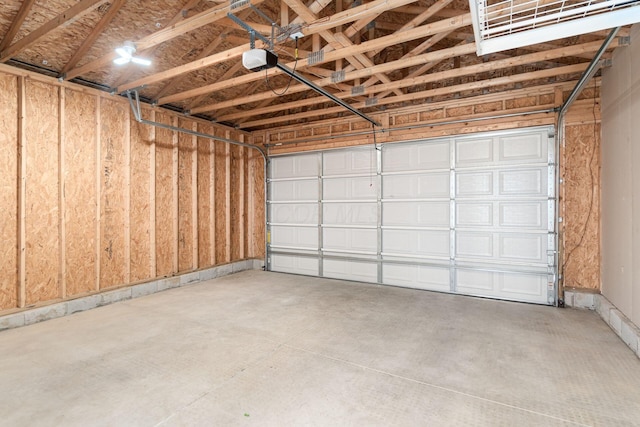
(125, 55)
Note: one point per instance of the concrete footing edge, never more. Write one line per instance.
(612, 316)
(65, 308)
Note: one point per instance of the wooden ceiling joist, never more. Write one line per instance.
(352, 15)
(379, 43)
(189, 24)
(16, 23)
(74, 12)
(95, 33)
(435, 77)
(448, 90)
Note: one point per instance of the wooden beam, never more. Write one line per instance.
(570, 69)
(205, 52)
(390, 66)
(379, 43)
(62, 264)
(22, 191)
(91, 38)
(98, 189)
(338, 41)
(152, 199)
(73, 13)
(351, 15)
(434, 77)
(189, 24)
(16, 23)
(125, 71)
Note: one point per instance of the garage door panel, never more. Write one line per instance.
(416, 242)
(528, 215)
(350, 188)
(299, 190)
(417, 276)
(416, 156)
(424, 186)
(529, 248)
(295, 166)
(475, 214)
(527, 182)
(474, 152)
(350, 239)
(474, 184)
(350, 270)
(513, 286)
(466, 214)
(294, 264)
(474, 244)
(295, 237)
(350, 213)
(300, 213)
(528, 148)
(348, 162)
(420, 214)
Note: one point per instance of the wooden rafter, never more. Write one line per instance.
(319, 25)
(448, 90)
(16, 23)
(74, 12)
(125, 70)
(91, 38)
(416, 33)
(431, 56)
(189, 24)
(435, 77)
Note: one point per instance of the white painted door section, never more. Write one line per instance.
(473, 215)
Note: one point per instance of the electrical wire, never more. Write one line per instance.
(266, 75)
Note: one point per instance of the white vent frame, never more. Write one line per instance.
(500, 25)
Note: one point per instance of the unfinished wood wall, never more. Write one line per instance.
(580, 170)
(91, 200)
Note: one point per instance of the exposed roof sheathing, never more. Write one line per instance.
(376, 55)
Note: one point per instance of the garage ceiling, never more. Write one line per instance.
(376, 55)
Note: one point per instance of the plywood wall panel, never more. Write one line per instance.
(164, 198)
(80, 196)
(8, 191)
(114, 142)
(581, 206)
(140, 216)
(221, 191)
(41, 226)
(205, 190)
(186, 190)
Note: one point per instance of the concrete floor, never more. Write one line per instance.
(268, 349)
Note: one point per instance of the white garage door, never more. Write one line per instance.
(472, 215)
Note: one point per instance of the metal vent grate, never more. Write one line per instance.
(507, 24)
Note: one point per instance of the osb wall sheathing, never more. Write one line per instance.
(187, 181)
(165, 155)
(114, 182)
(580, 196)
(8, 191)
(92, 200)
(142, 208)
(80, 191)
(206, 197)
(580, 165)
(42, 240)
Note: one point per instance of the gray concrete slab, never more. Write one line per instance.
(257, 348)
